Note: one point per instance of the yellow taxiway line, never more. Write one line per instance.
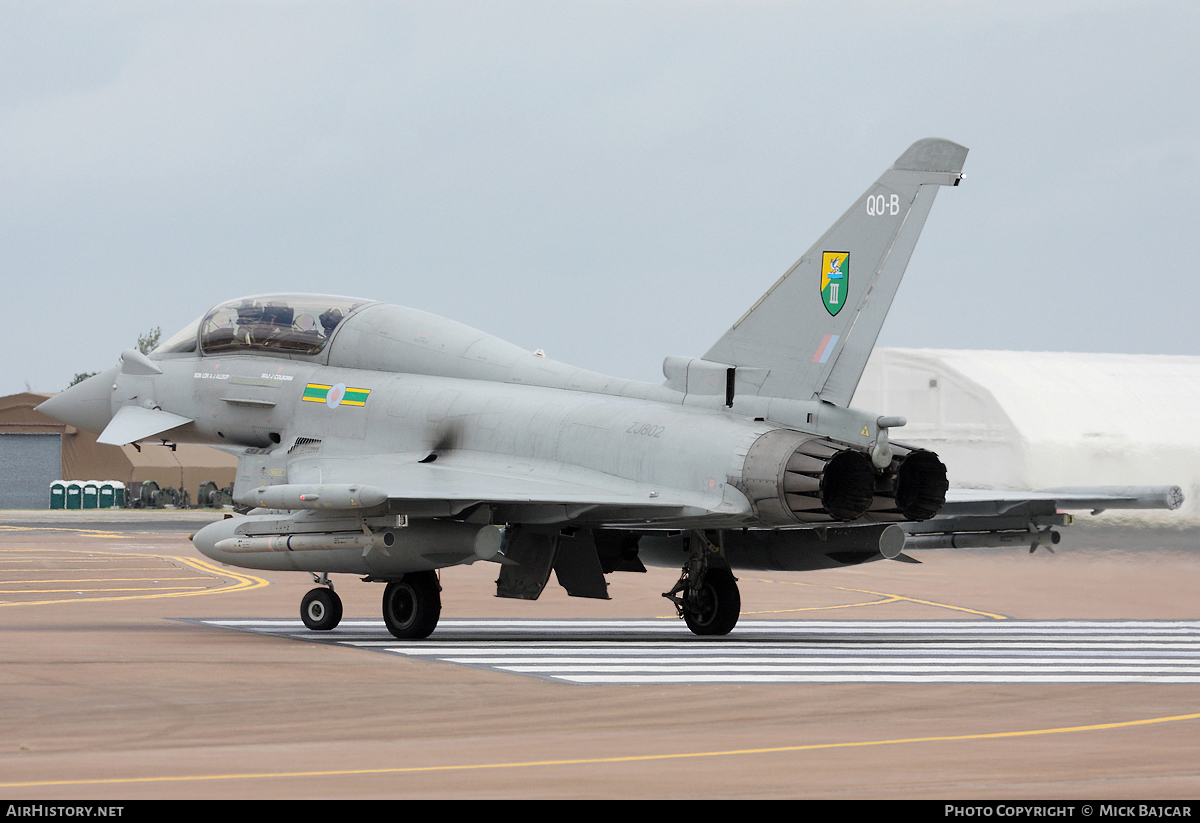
(94, 580)
(87, 532)
(889, 598)
(599, 760)
(241, 582)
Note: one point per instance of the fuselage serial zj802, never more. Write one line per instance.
(385, 442)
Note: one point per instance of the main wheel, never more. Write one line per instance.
(715, 608)
(412, 606)
(321, 609)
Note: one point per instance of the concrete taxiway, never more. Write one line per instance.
(113, 686)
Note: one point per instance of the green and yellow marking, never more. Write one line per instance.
(335, 395)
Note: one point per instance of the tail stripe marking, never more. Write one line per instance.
(826, 348)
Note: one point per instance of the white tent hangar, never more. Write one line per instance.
(1034, 420)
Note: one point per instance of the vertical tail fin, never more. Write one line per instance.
(815, 328)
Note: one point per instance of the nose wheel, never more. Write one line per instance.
(321, 609)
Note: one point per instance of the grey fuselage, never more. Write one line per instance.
(433, 387)
(396, 415)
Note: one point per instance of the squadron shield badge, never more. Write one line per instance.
(835, 279)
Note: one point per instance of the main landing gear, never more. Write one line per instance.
(412, 605)
(706, 596)
(321, 608)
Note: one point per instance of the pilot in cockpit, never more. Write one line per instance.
(297, 324)
(330, 319)
(249, 323)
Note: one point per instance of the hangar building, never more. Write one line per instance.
(1035, 420)
(36, 450)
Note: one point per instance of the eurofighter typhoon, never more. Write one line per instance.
(385, 442)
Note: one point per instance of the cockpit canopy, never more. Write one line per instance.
(280, 323)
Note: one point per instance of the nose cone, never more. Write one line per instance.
(86, 405)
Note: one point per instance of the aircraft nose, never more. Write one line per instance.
(86, 405)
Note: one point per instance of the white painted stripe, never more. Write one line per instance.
(823, 661)
(647, 651)
(871, 669)
(417, 647)
(806, 678)
(1005, 627)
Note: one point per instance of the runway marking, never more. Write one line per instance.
(239, 581)
(80, 591)
(600, 760)
(88, 532)
(889, 598)
(95, 579)
(642, 652)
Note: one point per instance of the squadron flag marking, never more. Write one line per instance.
(335, 395)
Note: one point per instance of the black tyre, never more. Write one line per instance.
(716, 606)
(412, 606)
(321, 610)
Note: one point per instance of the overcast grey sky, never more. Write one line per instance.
(611, 181)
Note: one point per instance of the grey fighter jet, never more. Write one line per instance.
(385, 442)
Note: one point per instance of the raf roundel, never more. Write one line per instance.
(335, 395)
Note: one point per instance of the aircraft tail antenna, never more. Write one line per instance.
(815, 328)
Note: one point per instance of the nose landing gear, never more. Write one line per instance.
(321, 608)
